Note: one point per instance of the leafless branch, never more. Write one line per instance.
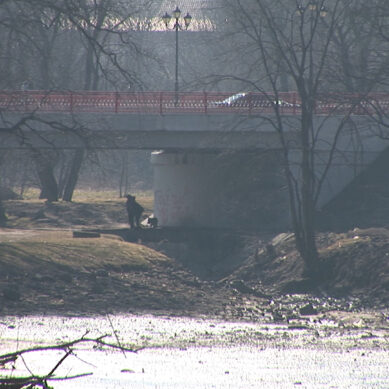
(34, 381)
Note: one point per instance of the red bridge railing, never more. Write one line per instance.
(182, 103)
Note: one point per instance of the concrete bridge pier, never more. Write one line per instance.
(219, 190)
(183, 193)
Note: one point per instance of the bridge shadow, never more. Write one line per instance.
(208, 253)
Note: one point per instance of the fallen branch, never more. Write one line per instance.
(34, 381)
(66, 345)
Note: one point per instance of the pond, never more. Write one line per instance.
(201, 353)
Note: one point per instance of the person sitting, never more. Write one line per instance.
(152, 221)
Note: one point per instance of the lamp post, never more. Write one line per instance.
(312, 6)
(177, 26)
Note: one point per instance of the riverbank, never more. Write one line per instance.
(46, 269)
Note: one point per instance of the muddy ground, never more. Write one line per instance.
(238, 276)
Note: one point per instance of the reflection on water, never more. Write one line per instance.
(196, 353)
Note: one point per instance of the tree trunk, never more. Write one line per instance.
(73, 175)
(63, 174)
(307, 239)
(3, 216)
(49, 189)
(123, 185)
(45, 170)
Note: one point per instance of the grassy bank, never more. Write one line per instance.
(88, 209)
(46, 251)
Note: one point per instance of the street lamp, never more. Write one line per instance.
(323, 11)
(312, 6)
(166, 19)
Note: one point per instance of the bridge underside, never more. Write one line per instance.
(148, 132)
(137, 140)
(205, 176)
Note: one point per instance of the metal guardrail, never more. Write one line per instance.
(185, 102)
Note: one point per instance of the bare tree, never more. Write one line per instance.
(297, 45)
(40, 38)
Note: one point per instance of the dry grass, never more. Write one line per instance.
(89, 195)
(146, 198)
(344, 243)
(88, 209)
(58, 249)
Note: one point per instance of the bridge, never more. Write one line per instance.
(192, 182)
(167, 120)
(164, 103)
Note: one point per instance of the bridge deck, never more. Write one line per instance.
(184, 103)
